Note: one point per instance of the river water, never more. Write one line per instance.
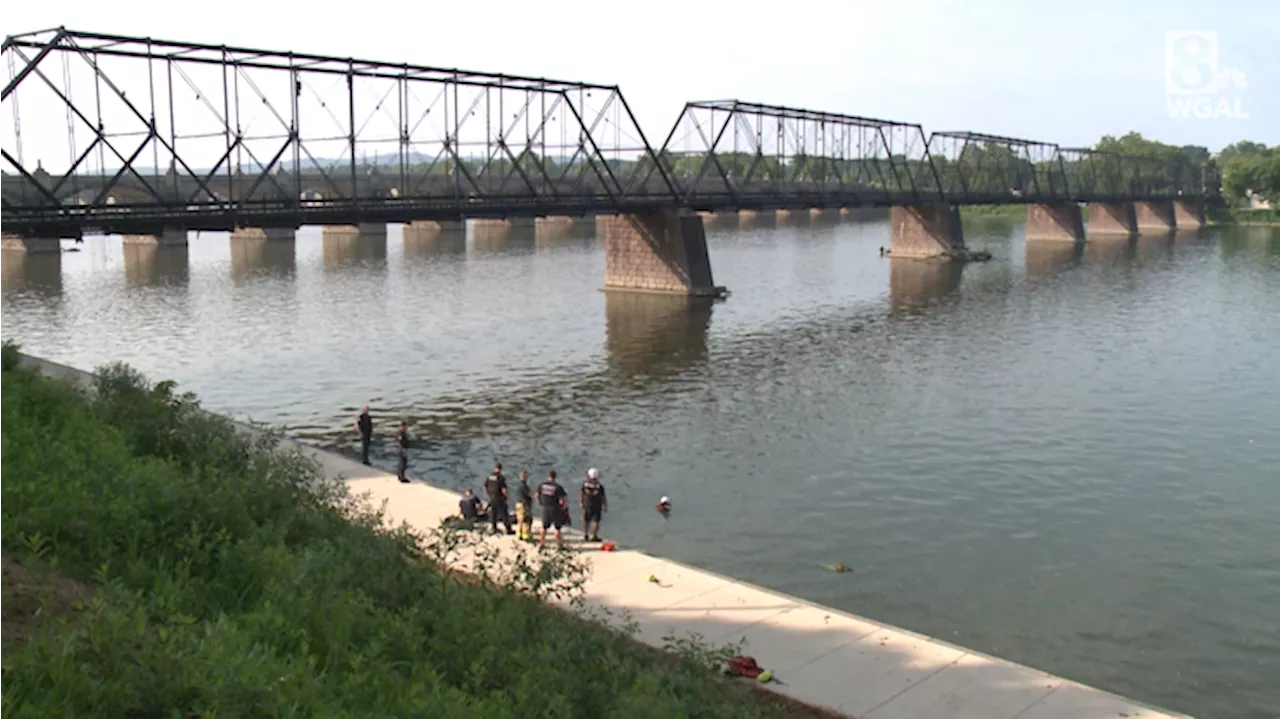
(1065, 457)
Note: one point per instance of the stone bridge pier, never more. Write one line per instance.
(1155, 217)
(1058, 221)
(431, 238)
(1112, 218)
(1189, 214)
(168, 237)
(495, 235)
(262, 248)
(750, 219)
(657, 251)
(346, 244)
(926, 231)
(31, 245)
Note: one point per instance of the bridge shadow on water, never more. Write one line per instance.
(38, 273)
(154, 265)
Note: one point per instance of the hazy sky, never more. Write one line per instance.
(1063, 72)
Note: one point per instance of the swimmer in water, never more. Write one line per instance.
(664, 507)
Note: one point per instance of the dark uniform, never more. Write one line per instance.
(365, 425)
(496, 487)
(550, 496)
(593, 500)
(470, 508)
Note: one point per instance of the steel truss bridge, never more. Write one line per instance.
(171, 134)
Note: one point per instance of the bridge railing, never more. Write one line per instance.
(150, 123)
(735, 153)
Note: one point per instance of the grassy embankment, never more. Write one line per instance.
(160, 562)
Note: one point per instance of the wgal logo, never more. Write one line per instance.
(1195, 85)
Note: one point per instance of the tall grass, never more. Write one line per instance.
(232, 580)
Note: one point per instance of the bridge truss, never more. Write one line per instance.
(214, 137)
(223, 134)
(748, 155)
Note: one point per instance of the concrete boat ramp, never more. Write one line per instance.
(825, 657)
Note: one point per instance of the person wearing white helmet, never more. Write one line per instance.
(594, 503)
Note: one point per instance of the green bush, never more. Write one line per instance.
(233, 581)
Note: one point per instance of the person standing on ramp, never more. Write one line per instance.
(402, 446)
(496, 487)
(524, 507)
(364, 425)
(594, 503)
(551, 498)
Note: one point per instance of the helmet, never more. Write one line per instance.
(593, 473)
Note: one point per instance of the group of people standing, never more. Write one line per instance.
(552, 502)
(552, 499)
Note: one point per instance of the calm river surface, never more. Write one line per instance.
(1069, 458)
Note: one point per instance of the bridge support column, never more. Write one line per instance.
(422, 228)
(168, 237)
(554, 228)
(494, 234)
(30, 245)
(1188, 214)
(658, 251)
(1155, 217)
(1058, 221)
(925, 231)
(264, 234)
(792, 217)
(1112, 218)
(363, 229)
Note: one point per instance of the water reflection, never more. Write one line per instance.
(38, 273)
(491, 237)
(914, 284)
(273, 258)
(655, 335)
(426, 243)
(1109, 250)
(343, 249)
(148, 265)
(1049, 258)
(1154, 246)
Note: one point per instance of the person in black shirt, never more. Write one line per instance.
(551, 498)
(496, 487)
(402, 446)
(524, 507)
(469, 505)
(594, 503)
(364, 425)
